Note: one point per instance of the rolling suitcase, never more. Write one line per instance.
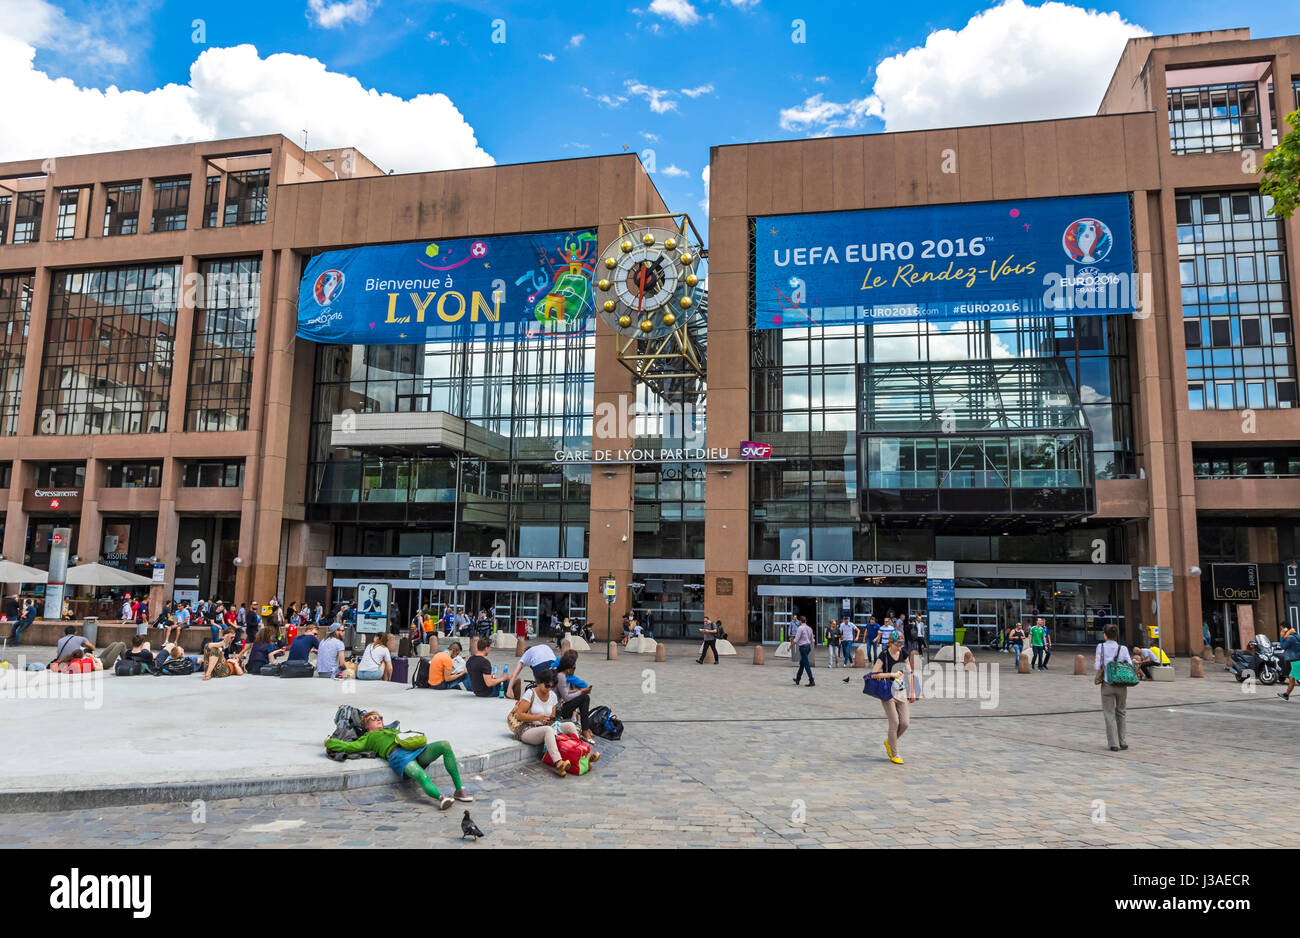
(401, 671)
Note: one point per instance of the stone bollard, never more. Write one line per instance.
(968, 660)
(519, 647)
(1198, 667)
(661, 652)
(613, 651)
(1218, 655)
(564, 646)
(860, 658)
(1080, 666)
(433, 644)
(758, 653)
(1207, 653)
(1022, 666)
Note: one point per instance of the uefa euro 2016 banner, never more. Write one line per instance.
(988, 260)
(450, 290)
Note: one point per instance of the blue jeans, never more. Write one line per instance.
(804, 665)
(847, 648)
(369, 675)
(19, 625)
(448, 685)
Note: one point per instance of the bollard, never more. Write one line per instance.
(1022, 666)
(758, 653)
(1198, 667)
(1218, 655)
(613, 651)
(1080, 667)
(564, 646)
(661, 652)
(433, 644)
(860, 658)
(1207, 653)
(968, 660)
(519, 648)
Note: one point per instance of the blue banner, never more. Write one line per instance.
(986, 260)
(451, 290)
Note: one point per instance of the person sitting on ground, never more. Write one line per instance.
(443, 674)
(140, 651)
(169, 650)
(536, 714)
(483, 679)
(262, 651)
(539, 656)
(1147, 658)
(376, 661)
(215, 663)
(331, 655)
(573, 697)
(301, 647)
(73, 646)
(403, 759)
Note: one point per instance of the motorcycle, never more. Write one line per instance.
(1259, 659)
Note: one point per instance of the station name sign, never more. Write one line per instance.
(862, 568)
(528, 564)
(682, 454)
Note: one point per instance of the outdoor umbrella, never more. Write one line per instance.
(11, 572)
(98, 574)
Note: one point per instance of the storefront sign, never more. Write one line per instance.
(1235, 582)
(528, 564)
(940, 600)
(65, 500)
(985, 260)
(862, 568)
(450, 290)
(681, 454)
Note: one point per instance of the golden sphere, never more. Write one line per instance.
(671, 243)
(624, 321)
(646, 325)
(625, 247)
(692, 280)
(610, 306)
(603, 284)
(669, 319)
(610, 263)
(688, 258)
(685, 302)
(647, 239)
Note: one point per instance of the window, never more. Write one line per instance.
(133, 475)
(221, 359)
(66, 226)
(6, 203)
(1214, 118)
(27, 218)
(228, 474)
(108, 350)
(122, 209)
(1236, 308)
(171, 204)
(60, 475)
(15, 312)
(211, 198)
(246, 196)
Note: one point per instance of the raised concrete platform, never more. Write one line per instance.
(80, 741)
(641, 646)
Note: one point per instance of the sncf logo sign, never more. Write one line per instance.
(751, 450)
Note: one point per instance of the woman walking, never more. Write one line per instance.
(892, 657)
(1115, 681)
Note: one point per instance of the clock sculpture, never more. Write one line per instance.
(648, 289)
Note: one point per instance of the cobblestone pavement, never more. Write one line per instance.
(737, 755)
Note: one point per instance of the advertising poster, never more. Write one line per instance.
(983, 260)
(451, 290)
(372, 607)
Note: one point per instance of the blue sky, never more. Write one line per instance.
(672, 76)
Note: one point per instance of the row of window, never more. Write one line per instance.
(141, 474)
(247, 193)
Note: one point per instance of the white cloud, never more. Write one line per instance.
(38, 23)
(659, 99)
(546, 55)
(329, 15)
(680, 11)
(575, 41)
(232, 92)
(439, 38)
(1009, 63)
(671, 170)
(822, 79)
(696, 92)
(819, 116)
(704, 203)
(897, 342)
(609, 101)
(653, 138)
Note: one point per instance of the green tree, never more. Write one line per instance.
(1281, 171)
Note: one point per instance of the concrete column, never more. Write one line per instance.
(34, 353)
(15, 541)
(182, 344)
(198, 187)
(145, 220)
(168, 530)
(89, 537)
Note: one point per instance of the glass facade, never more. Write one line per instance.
(27, 217)
(521, 401)
(211, 201)
(108, 351)
(1236, 312)
(171, 204)
(1215, 118)
(122, 209)
(66, 226)
(15, 314)
(6, 206)
(221, 357)
(246, 197)
(133, 475)
(213, 474)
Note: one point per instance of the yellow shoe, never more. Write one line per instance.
(892, 758)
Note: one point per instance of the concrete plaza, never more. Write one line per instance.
(737, 755)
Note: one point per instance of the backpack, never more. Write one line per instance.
(125, 668)
(420, 677)
(604, 724)
(722, 633)
(176, 666)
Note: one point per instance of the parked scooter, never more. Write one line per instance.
(1259, 659)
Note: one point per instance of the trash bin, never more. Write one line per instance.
(960, 632)
(90, 629)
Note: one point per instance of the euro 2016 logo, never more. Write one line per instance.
(1087, 241)
(328, 285)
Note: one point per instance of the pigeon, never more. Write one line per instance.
(468, 828)
(846, 680)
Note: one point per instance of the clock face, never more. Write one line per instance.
(646, 282)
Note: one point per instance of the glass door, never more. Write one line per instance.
(777, 613)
